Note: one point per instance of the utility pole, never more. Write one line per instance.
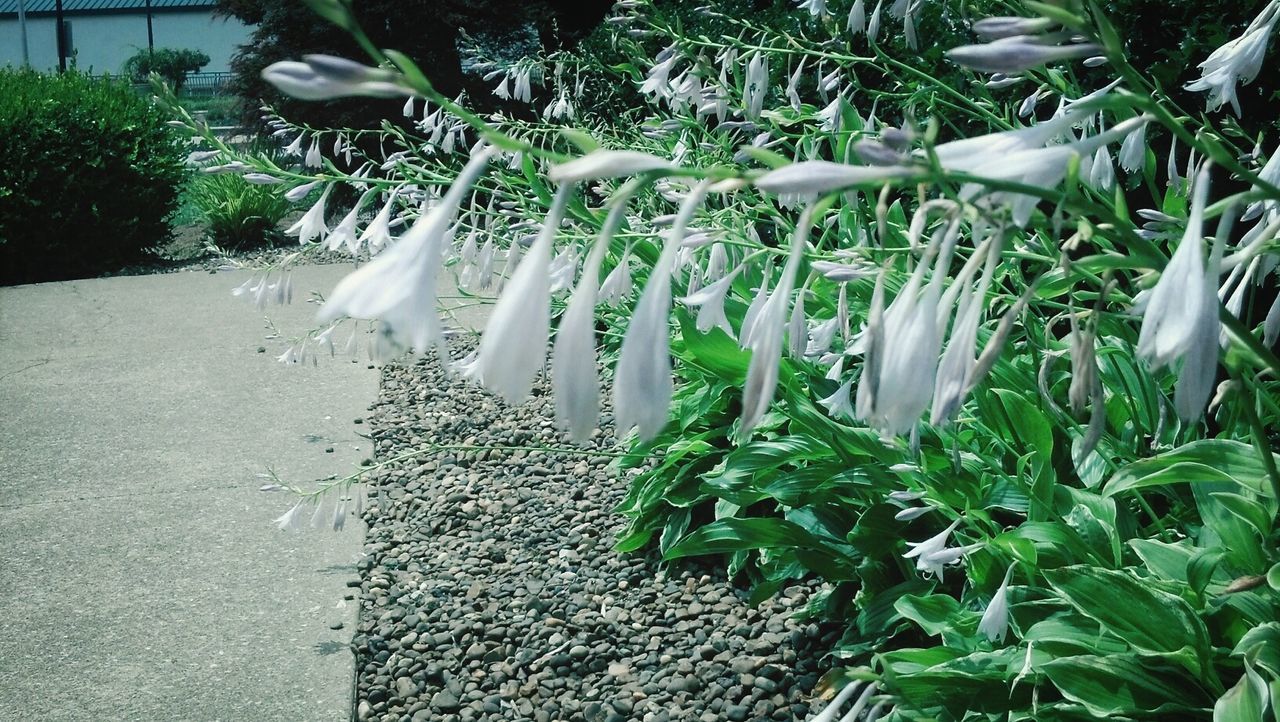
(151, 38)
(60, 32)
(22, 30)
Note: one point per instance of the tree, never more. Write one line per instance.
(172, 64)
(426, 30)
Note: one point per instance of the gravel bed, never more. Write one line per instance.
(206, 262)
(490, 590)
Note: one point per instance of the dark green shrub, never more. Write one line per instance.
(90, 176)
(169, 63)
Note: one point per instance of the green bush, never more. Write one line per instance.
(169, 63)
(239, 215)
(89, 179)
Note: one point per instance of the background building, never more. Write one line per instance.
(102, 34)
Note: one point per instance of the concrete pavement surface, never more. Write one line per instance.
(141, 576)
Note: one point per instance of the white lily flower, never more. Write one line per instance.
(820, 176)
(873, 25)
(574, 378)
(378, 232)
(642, 382)
(324, 77)
(857, 18)
(345, 232)
(617, 285)
(934, 544)
(1175, 304)
(1102, 174)
(297, 193)
(314, 159)
(311, 225)
(1239, 61)
(1016, 54)
(756, 85)
(995, 619)
(798, 329)
(1133, 151)
(766, 334)
(562, 269)
(295, 148)
(757, 303)
(514, 343)
(840, 403)
(509, 266)
(716, 263)
(607, 164)
(1200, 362)
(398, 287)
(710, 302)
(291, 519)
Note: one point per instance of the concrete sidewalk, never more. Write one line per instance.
(141, 576)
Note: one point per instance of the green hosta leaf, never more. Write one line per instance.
(1149, 620)
(1166, 561)
(1123, 685)
(1260, 647)
(1248, 510)
(714, 351)
(1208, 460)
(1273, 577)
(1244, 702)
(1069, 633)
(731, 535)
(935, 613)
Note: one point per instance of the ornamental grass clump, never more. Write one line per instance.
(915, 337)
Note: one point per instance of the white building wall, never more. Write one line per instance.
(102, 43)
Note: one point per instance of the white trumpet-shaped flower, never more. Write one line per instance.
(311, 225)
(574, 379)
(765, 343)
(1239, 61)
(642, 383)
(514, 343)
(922, 551)
(398, 287)
(378, 233)
(710, 302)
(1170, 320)
(607, 164)
(617, 285)
(995, 619)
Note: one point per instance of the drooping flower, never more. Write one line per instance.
(606, 164)
(314, 159)
(1239, 61)
(378, 232)
(1016, 54)
(1169, 321)
(765, 342)
(398, 287)
(617, 285)
(995, 619)
(857, 17)
(756, 85)
(574, 379)
(514, 343)
(710, 302)
(324, 77)
(642, 382)
(311, 224)
(345, 232)
(821, 176)
(920, 551)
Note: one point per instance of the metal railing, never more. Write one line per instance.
(207, 84)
